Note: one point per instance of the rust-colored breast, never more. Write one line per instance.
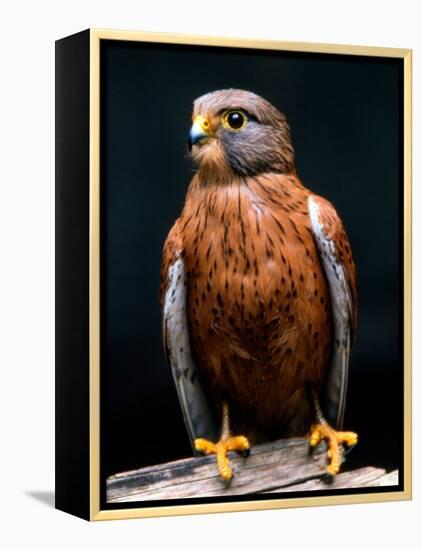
(258, 301)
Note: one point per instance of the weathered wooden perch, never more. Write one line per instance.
(281, 466)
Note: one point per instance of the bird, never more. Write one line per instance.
(258, 290)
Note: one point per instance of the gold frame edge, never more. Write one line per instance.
(407, 272)
(94, 275)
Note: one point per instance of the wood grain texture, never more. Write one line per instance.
(280, 466)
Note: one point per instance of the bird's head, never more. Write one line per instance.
(238, 132)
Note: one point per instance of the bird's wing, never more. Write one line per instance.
(197, 413)
(337, 262)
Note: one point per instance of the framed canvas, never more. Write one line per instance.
(248, 205)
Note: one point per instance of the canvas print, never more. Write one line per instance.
(251, 274)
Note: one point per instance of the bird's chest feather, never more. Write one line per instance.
(257, 299)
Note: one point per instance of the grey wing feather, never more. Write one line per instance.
(341, 301)
(198, 415)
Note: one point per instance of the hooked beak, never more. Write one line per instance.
(199, 132)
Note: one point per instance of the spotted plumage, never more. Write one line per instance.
(265, 302)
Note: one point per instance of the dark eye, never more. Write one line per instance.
(234, 120)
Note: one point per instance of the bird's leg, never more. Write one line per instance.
(322, 431)
(226, 443)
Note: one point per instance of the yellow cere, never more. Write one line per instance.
(203, 122)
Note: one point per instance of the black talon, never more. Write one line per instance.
(227, 482)
(348, 449)
(327, 478)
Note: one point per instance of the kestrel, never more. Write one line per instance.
(258, 289)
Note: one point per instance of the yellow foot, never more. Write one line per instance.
(324, 432)
(237, 443)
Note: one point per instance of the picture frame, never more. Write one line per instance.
(86, 224)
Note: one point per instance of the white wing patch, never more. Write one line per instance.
(197, 414)
(337, 377)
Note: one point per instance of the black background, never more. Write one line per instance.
(345, 113)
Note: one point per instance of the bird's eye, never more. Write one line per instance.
(234, 120)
